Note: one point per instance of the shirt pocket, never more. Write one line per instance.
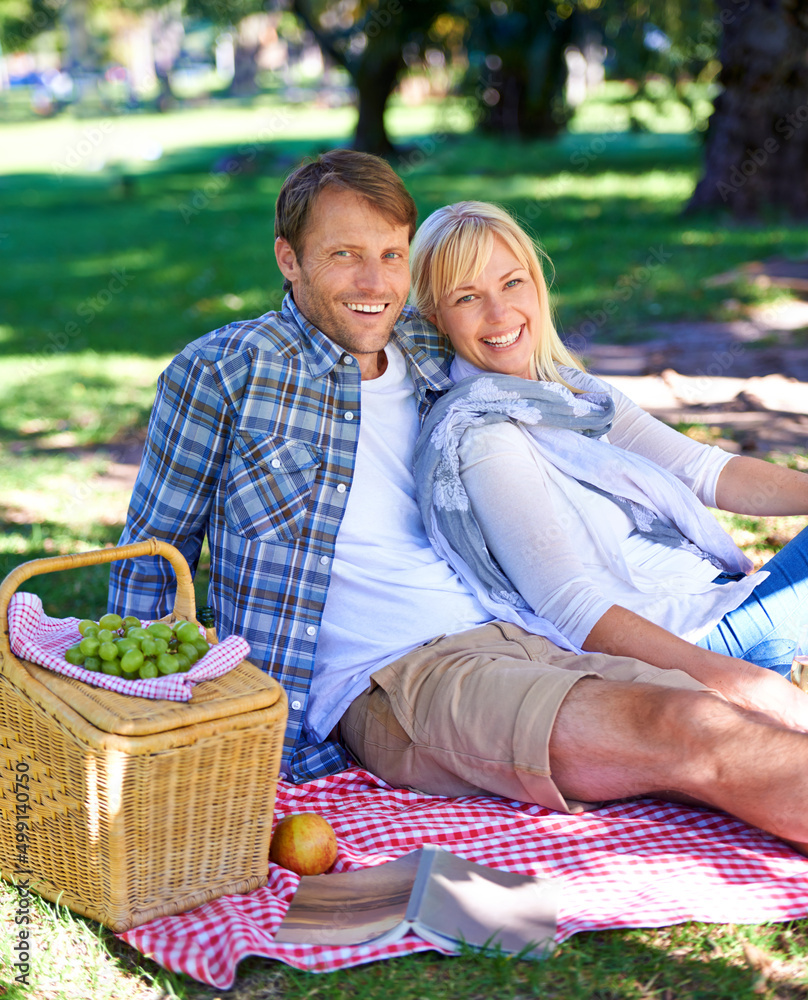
(269, 487)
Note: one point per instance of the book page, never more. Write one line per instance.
(351, 907)
(481, 905)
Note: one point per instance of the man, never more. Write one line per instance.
(288, 439)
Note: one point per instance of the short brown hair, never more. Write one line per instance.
(369, 176)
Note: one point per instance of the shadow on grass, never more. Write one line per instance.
(78, 592)
(78, 400)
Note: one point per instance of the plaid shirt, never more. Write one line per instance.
(252, 439)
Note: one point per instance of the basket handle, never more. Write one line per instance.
(184, 601)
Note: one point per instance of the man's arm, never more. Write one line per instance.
(186, 448)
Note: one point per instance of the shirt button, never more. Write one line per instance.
(347, 359)
(323, 560)
(349, 415)
(341, 488)
(275, 463)
(296, 706)
(311, 630)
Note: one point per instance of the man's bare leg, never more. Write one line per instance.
(613, 740)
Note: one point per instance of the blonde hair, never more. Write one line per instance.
(453, 246)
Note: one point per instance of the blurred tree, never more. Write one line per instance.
(22, 20)
(518, 54)
(663, 48)
(85, 29)
(517, 67)
(367, 38)
(244, 19)
(756, 155)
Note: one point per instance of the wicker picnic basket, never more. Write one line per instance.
(134, 808)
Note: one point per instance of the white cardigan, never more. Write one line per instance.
(573, 553)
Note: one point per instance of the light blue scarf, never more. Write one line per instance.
(570, 424)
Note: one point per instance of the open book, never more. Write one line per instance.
(440, 897)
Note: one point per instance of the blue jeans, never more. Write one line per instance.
(763, 630)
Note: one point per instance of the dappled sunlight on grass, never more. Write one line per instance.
(70, 145)
(761, 537)
(91, 397)
(99, 266)
(73, 957)
(69, 489)
(190, 234)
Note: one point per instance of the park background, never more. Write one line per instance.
(659, 153)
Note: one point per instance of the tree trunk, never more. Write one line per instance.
(245, 70)
(249, 35)
(376, 69)
(524, 96)
(375, 78)
(756, 154)
(168, 32)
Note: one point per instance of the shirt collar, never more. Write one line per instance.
(321, 353)
(428, 372)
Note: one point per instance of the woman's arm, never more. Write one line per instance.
(742, 484)
(620, 632)
(540, 548)
(697, 465)
(751, 486)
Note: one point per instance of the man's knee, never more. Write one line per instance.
(615, 739)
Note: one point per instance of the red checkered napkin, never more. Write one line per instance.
(35, 637)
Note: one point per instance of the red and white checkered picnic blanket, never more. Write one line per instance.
(639, 864)
(35, 637)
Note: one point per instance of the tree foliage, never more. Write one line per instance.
(22, 20)
(517, 68)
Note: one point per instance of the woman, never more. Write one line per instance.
(536, 476)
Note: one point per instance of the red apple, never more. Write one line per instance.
(304, 843)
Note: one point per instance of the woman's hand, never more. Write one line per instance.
(759, 690)
(624, 633)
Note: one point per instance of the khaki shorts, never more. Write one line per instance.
(472, 713)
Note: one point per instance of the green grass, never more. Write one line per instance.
(111, 265)
(74, 957)
(143, 256)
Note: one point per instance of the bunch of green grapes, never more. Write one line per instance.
(122, 647)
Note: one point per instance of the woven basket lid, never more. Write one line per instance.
(243, 689)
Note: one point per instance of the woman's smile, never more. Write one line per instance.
(504, 339)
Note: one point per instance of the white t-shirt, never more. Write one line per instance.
(389, 591)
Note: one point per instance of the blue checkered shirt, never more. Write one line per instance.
(252, 440)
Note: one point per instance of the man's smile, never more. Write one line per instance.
(366, 308)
